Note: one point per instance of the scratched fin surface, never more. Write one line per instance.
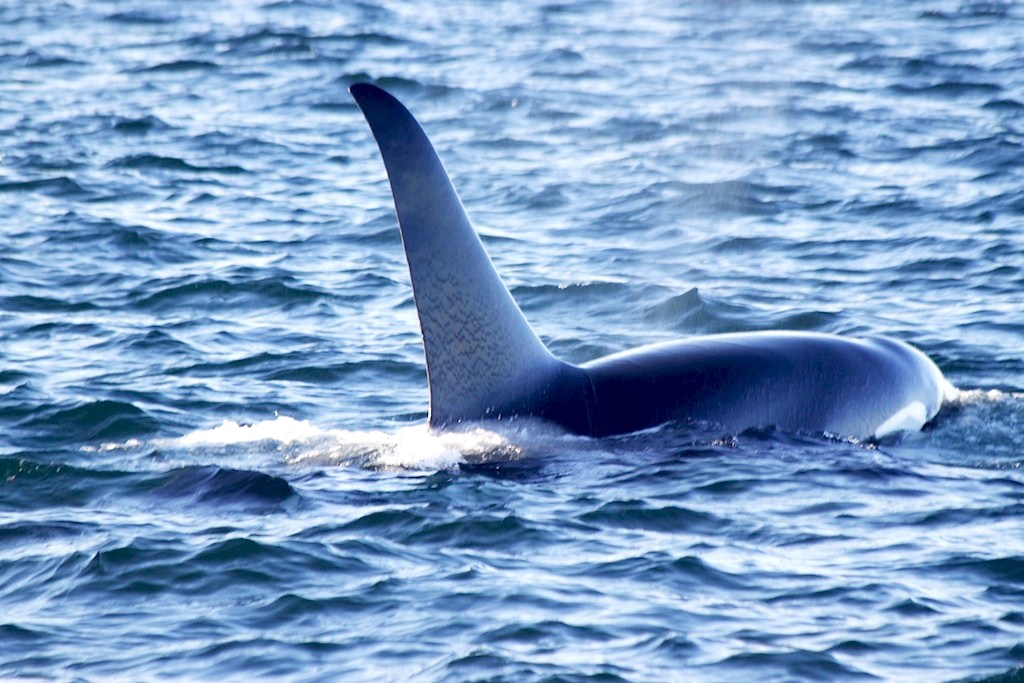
(479, 348)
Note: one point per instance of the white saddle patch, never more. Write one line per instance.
(909, 418)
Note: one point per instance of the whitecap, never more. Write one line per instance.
(415, 447)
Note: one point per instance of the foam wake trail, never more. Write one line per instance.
(411, 448)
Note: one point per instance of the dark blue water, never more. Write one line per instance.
(214, 463)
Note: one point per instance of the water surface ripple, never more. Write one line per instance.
(213, 461)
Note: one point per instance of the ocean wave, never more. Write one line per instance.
(694, 313)
(177, 66)
(140, 17)
(164, 163)
(188, 291)
(89, 421)
(640, 515)
(140, 125)
(222, 486)
(30, 485)
(60, 186)
(338, 372)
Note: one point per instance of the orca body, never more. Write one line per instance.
(485, 362)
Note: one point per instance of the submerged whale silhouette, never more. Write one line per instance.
(485, 362)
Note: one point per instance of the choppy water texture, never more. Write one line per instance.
(213, 456)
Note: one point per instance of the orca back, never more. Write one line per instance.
(484, 360)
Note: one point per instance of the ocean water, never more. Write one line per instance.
(214, 460)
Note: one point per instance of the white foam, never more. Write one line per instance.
(413, 447)
(109, 446)
(978, 396)
(282, 429)
(409, 448)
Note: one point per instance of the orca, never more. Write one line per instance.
(485, 362)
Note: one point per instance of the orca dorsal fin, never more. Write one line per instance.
(480, 350)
